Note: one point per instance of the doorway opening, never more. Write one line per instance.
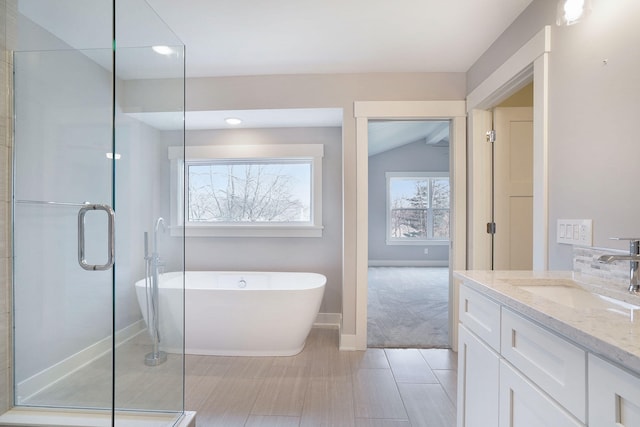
(529, 64)
(409, 211)
(512, 182)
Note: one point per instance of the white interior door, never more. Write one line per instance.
(513, 188)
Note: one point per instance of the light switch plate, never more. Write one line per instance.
(575, 232)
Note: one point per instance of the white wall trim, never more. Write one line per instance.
(541, 163)
(48, 376)
(180, 226)
(531, 62)
(513, 74)
(328, 320)
(363, 111)
(246, 230)
(409, 263)
(408, 109)
(348, 342)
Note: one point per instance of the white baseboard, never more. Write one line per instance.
(334, 320)
(348, 342)
(395, 263)
(45, 378)
(328, 320)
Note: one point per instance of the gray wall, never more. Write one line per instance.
(593, 109)
(414, 157)
(314, 91)
(310, 254)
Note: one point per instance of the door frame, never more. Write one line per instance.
(529, 63)
(404, 110)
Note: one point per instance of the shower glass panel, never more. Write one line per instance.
(149, 118)
(93, 120)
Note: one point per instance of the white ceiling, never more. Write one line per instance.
(257, 37)
(254, 37)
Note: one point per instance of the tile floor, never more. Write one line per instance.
(322, 386)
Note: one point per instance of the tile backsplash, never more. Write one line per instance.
(585, 261)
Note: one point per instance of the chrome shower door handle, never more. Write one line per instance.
(110, 237)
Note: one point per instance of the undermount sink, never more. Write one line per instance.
(569, 293)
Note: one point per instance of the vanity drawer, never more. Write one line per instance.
(481, 316)
(554, 364)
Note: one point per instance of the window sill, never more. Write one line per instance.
(246, 231)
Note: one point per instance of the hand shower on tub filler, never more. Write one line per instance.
(152, 276)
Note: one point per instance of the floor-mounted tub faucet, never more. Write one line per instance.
(152, 284)
(633, 258)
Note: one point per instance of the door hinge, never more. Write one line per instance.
(491, 136)
(491, 228)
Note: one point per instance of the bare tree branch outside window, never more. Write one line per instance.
(249, 192)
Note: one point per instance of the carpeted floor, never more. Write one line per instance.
(408, 307)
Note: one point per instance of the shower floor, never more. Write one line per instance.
(137, 386)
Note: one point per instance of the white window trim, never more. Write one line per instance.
(178, 157)
(417, 242)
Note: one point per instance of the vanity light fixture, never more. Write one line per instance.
(162, 50)
(233, 121)
(571, 12)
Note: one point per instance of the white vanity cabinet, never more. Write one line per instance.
(532, 362)
(478, 360)
(514, 373)
(614, 395)
(554, 364)
(478, 396)
(523, 404)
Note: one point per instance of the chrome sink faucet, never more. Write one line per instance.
(633, 258)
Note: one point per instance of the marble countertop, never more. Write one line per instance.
(602, 330)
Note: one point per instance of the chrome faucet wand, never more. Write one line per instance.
(633, 258)
(156, 356)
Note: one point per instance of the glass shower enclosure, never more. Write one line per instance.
(98, 98)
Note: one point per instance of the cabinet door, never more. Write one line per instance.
(614, 395)
(478, 382)
(522, 404)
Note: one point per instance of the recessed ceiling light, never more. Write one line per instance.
(162, 50)
(233, 121)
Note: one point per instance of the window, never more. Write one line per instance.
(257, 191)
(418, 208)
(249, 191)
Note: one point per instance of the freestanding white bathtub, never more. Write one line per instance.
(231, 313)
